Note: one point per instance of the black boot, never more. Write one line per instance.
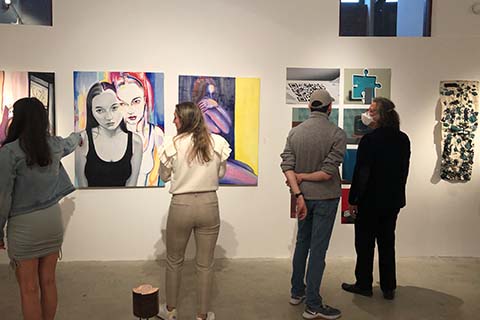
(354, 289)
(389, 294)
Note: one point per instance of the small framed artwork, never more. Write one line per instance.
(39, 90)
(301, 82)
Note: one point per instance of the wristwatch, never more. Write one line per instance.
(298, 194)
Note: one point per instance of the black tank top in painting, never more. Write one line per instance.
(100, 173)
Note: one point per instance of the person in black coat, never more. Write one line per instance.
(376, 195)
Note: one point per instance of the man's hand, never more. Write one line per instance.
(353, 210)
(2, 245)
(299, 177)
(301, 208)
(318, 176)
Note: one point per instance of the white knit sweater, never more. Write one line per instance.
(191, 177)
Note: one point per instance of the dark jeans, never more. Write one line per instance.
(370, 225)
(313, 236)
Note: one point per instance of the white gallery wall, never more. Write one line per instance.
(254, 38)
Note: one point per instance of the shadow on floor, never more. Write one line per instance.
(411, 303)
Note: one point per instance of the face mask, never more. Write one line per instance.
(367, 118)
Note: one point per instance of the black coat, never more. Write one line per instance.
(381, 170)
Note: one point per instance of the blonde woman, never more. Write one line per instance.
(193, 161)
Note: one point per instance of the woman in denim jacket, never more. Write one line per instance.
(32, 181)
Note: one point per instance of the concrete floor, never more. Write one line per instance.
(428, 288)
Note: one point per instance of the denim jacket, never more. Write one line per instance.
(26, 189)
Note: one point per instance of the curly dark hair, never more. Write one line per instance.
(388, 116)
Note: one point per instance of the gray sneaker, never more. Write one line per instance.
(210, 316)
(325, 312)
(295, 301)
(164, 314)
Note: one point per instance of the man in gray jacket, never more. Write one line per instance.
(310, 161)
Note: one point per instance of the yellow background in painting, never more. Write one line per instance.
(247, 106)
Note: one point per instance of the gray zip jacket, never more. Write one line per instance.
(26, 189)
(316, 145)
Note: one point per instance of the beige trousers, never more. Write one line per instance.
(197, 212)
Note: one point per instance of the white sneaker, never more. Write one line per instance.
(210, 316)
(295, 301)
(164, 314)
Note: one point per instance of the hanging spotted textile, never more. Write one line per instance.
(459, 100)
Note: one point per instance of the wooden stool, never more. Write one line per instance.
(145, 301)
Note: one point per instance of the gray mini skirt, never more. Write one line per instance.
(35, 234)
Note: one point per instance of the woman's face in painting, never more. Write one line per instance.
(210, 89)
(133, 101)
(106, 109)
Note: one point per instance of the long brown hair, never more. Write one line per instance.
(388, 117)
(192, 122)
(30, 126)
